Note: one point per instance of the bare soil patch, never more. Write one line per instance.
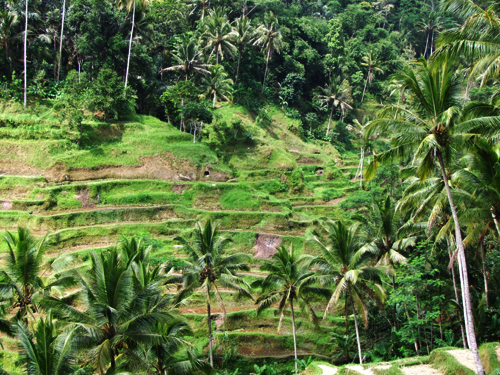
(179, 188)
(84, 197)
(327, 370)
(5, 205)
(464, 357)
(361, 370)
(265, 245)
(334, 202)
(419, 370)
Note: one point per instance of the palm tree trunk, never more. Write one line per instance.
(265, 72)
(456, 297)
(294, 336)
(210, 338)
(366, 84)
(471, 335)
(357, 330)
(130, 44)
(61, 41)
(25, 44)
(485, 276)
(215, 98)
(426, 45)
(329, 121)
(495, 220)
(238, 68)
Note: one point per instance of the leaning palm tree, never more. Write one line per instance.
(341, 266)
(118, 314)
(243, 35)
(269, 38)
(130, 5)
(217, 84)
(208, 269)
(219, 36)
(337, 93)
(46, 350)
(188, 57)
(287, 282)
(431, 133)
(22, 280)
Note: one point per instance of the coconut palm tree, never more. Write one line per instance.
(46, 351)
(130, 5)
(430, 26)
(217, 84)
(269, 38)
(25, 50)
(341, 266)
(287, 282)
(166, 356)
(8, 23)
(337, 93)
(22, 279)
(431, 133)
(188, 56)
(219, 36)
(476, 40)
(381, 225)
(243, 34)
(210, 270)
(61, 37)
(371, 62)
(118, 315)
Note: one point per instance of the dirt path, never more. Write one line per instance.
(361, 370)
(327, 370)
(464, 357)
(419, 370)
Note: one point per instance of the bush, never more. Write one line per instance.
(108, 98)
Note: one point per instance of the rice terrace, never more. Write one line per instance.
(249, 187)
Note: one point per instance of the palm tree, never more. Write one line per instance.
(269, 38)
(25, 51)
(198, 4)
(476, 39)
(337, 93)
(209, 270)
(129, 4)
(430, 26)
(188, 57)
(22, 279)
(382, 226)
(430, 133)
(8, 23)
(165, 357)
(243, 35)
(46, 351)
(341, 265)
(134, 249)
(287, 282)
(371, 62)
(217, 84)
(219, 36)
(119, 314)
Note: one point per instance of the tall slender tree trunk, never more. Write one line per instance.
(210, 338)
(329, 121)
(485, 276)
(294, 336)
(25, 45)
(495, 220)
(357, 330)
(265, 72)
(130, 44)
(238, 68)
(215, 98)
(464, 341)
(366, 85)
(61, 41)
(471, 335)
(426, 46)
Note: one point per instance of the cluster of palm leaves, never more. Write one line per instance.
(116, 313)
(217, 38)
